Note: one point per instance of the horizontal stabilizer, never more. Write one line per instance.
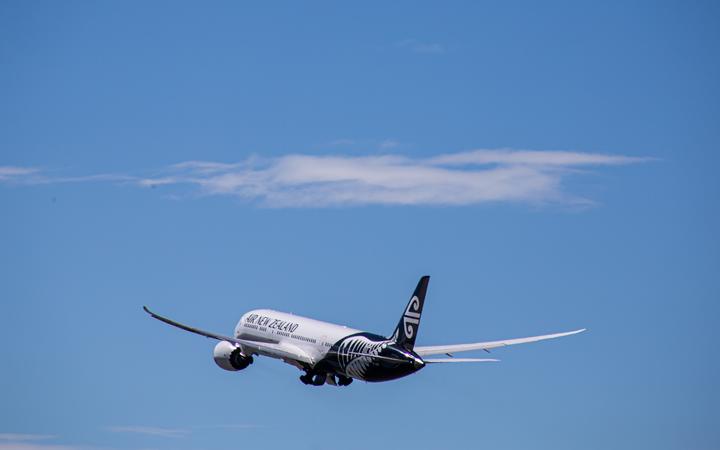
(459, 360)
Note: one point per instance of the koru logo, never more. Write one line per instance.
(412, 317)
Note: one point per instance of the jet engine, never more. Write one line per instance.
(230, 357)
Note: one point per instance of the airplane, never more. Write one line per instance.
(335, 354)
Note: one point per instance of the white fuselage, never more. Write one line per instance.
(292, 333)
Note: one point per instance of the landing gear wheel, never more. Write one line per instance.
(318, 379)
(344, 381)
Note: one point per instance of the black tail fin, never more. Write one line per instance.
(407, 328)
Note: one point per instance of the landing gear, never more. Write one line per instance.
(318, 379)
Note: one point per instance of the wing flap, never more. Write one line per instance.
(456, 348)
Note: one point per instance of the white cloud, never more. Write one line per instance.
(35, 175)
(24, 437)
(533, 158)
(297, 180)
(37, 446)
(13, 173)
(18, 441)
(151, 431)
(465, 178)
(203, 166)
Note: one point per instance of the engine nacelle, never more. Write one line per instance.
(230, 357)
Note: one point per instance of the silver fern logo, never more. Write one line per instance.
(411, 318)
(356, 354)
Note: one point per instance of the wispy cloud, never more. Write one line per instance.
(12, 173)
(19, 445)
(465, 178)
(417, 46)
(297, 180)
(151, 431)
(534, 158)
(163, 432)
(18, 441)
(37, 175)
(25, 437)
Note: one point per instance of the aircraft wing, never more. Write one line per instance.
(265, 348)
(207, 334)
(445, 349)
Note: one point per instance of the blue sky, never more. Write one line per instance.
(551, 166)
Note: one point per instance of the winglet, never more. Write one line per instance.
(570, 333)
